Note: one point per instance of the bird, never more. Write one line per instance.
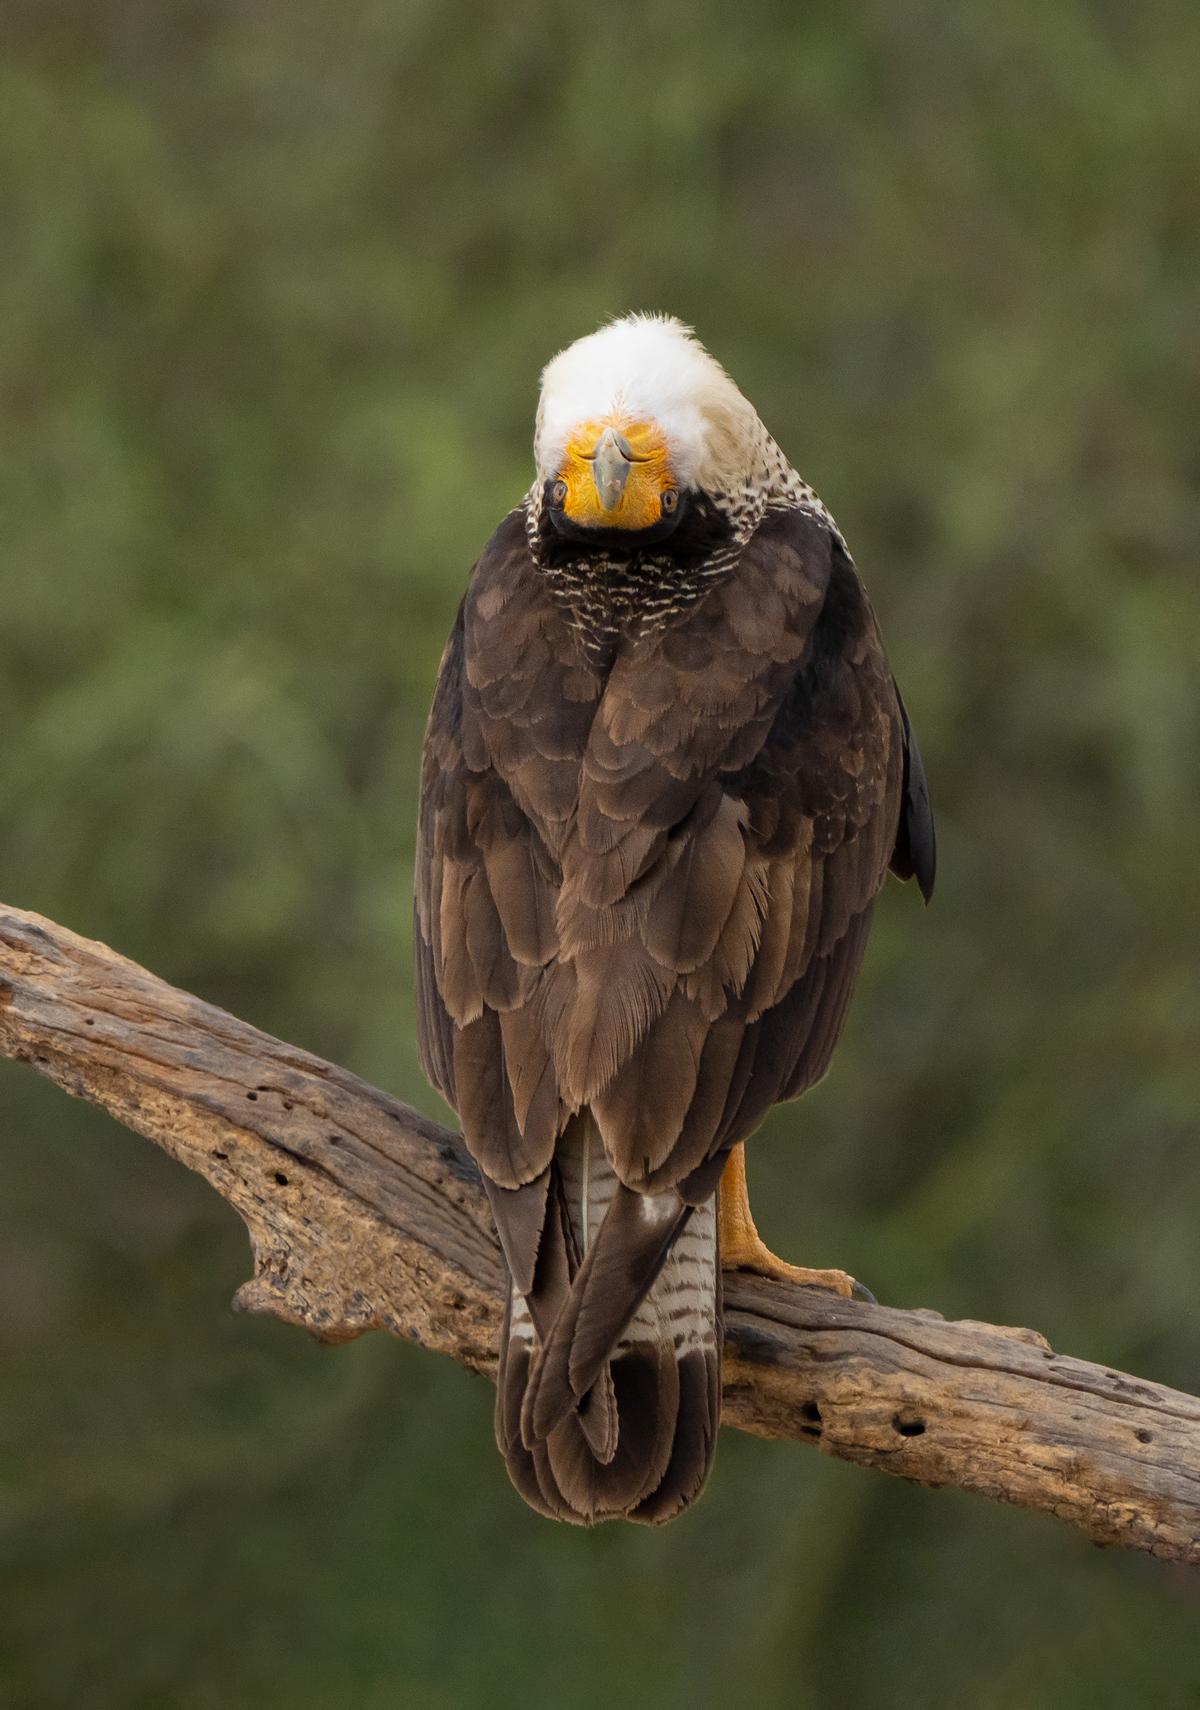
(666, 772)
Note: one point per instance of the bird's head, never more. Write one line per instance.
(633, 422)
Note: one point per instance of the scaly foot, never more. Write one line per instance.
(743, 1249)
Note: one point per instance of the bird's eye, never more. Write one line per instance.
(670, 501)
(558, 493)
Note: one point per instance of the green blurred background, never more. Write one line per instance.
(276, 284)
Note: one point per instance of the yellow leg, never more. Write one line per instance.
(743, 1248)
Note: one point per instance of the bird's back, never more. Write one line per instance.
(664, 776)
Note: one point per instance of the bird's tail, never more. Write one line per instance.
(610, 1365)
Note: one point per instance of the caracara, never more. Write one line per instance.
(666, 772)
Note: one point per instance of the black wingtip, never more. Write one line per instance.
(915, 854)
(925, 860)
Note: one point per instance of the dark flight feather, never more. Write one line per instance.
(915, 854)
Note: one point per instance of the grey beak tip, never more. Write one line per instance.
(610, 467)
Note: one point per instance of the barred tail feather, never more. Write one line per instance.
(608, 1406)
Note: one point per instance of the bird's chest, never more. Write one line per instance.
(613, 603)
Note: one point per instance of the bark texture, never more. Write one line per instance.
(365, 1215)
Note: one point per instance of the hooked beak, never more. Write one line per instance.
(610, 467)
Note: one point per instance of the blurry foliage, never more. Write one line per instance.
(277, 283)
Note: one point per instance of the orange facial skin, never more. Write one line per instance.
(616, 473)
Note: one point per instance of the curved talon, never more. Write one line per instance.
(743, 1249)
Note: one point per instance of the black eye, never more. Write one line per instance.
(670, 501)
(558, 493)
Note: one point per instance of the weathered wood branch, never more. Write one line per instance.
(364, 1215)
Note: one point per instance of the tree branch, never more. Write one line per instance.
(364, 1215)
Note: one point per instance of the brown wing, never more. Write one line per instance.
(648, 891)
(738, 810)
(499, 776)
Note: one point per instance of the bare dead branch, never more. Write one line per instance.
(364, 1215)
